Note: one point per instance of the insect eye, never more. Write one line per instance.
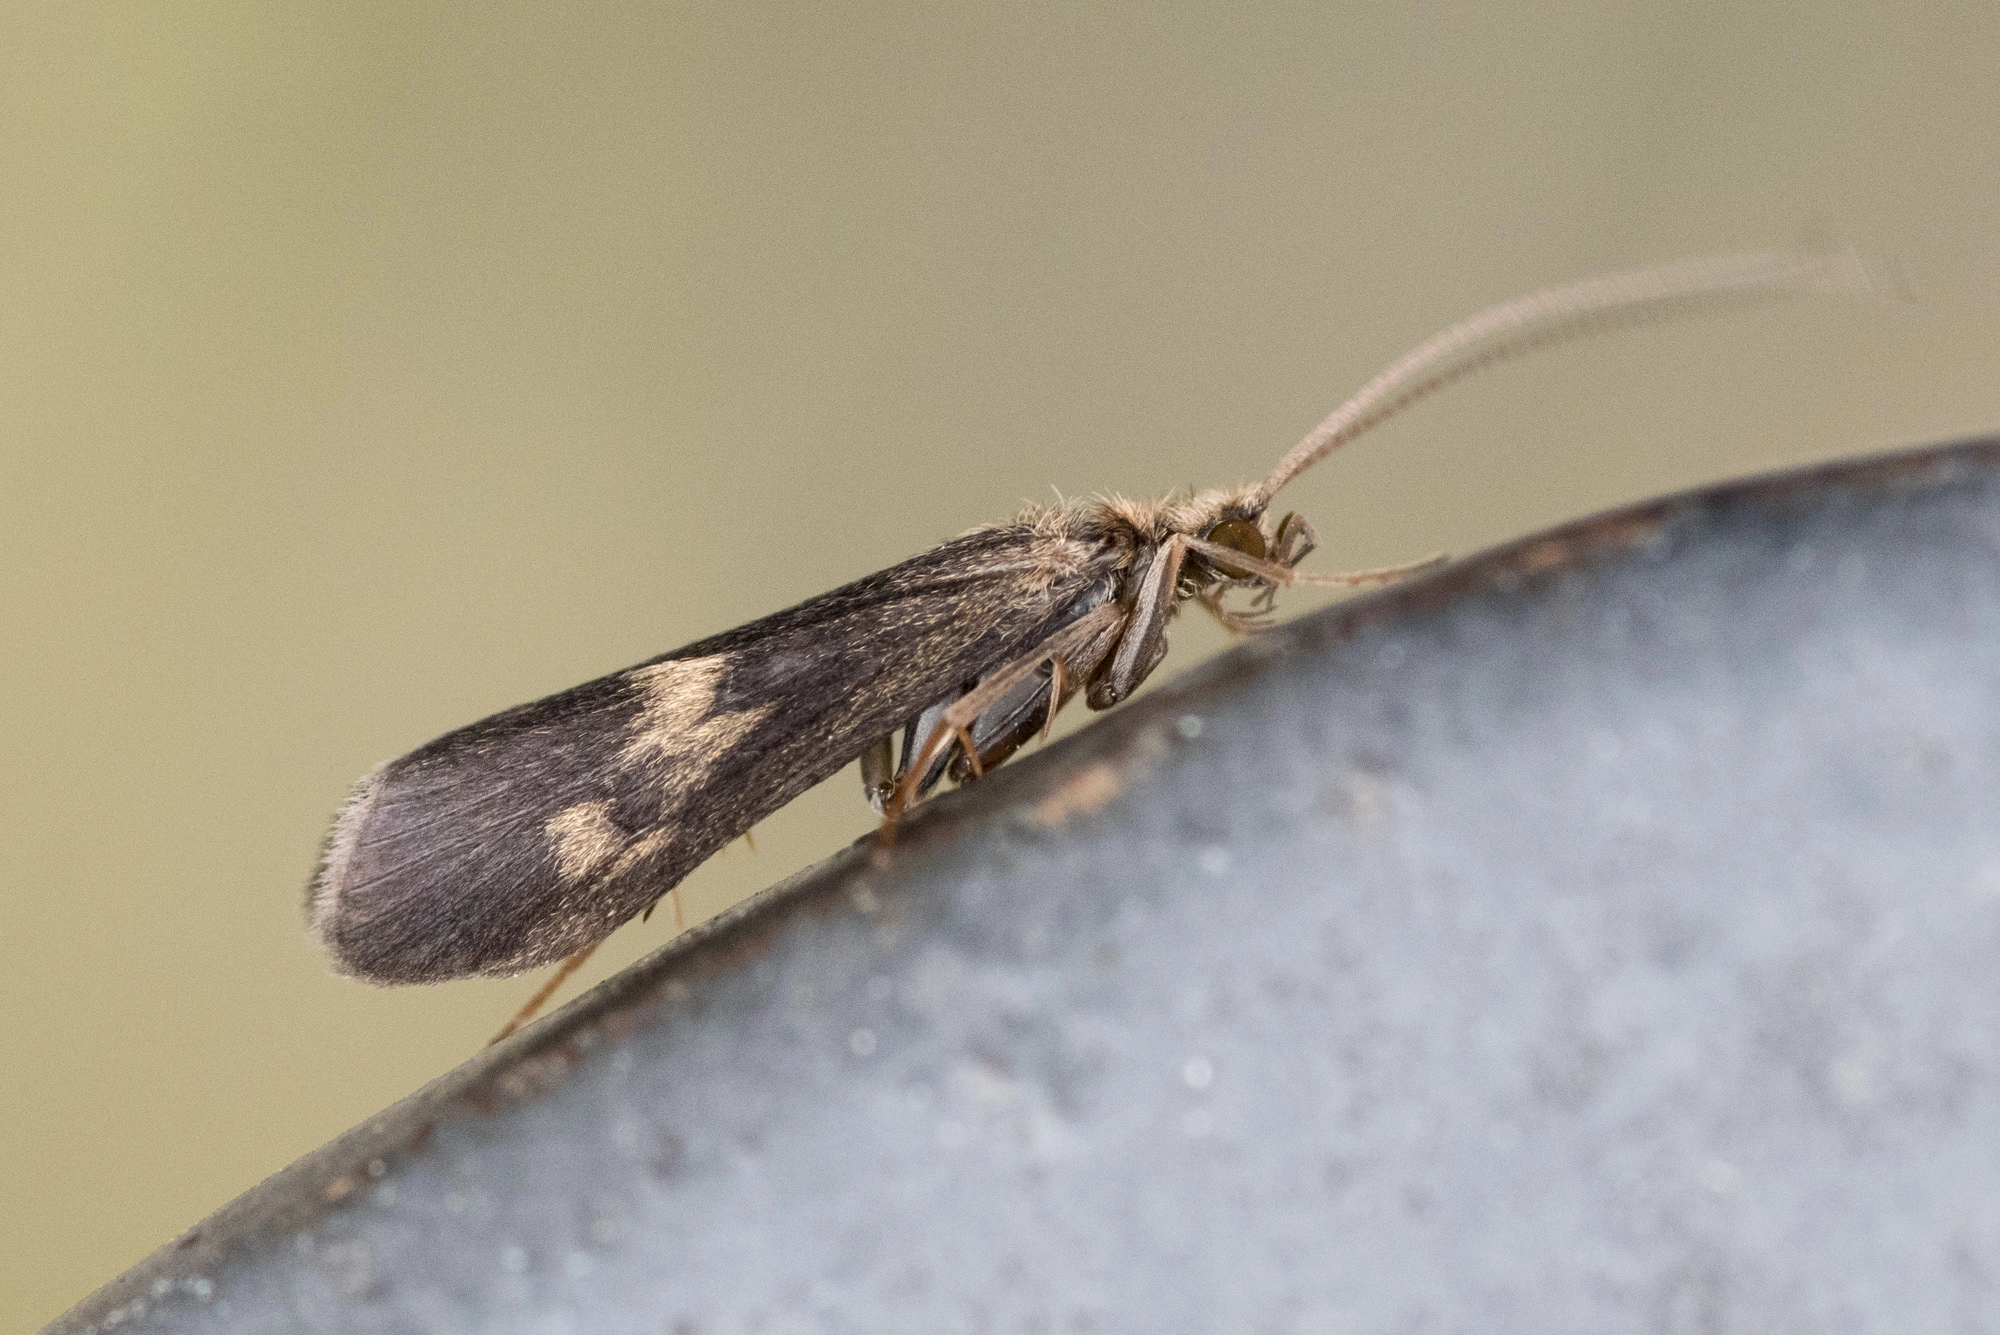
(1240, 535)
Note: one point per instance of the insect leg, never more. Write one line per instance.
(955, 720)
(1145, 640)
(1283, 574)
(1059, 689)
(1002, 728)
(548, 989)
(672, 897)
(1294, 540)
(1239, 623)
(1291, 544)
(1025, 714)
(878, 770)
(941, 763)
(916, 733)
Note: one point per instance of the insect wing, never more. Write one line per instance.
(517, 840)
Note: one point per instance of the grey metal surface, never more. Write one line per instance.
(1598, 936)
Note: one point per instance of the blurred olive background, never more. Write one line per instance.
(368, 368)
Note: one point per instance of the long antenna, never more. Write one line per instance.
(1569, 311)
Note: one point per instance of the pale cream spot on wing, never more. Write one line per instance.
(583, 838)
(679, 739)
(677, 697)
(678, 732)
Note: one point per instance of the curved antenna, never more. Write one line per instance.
(1559, 314)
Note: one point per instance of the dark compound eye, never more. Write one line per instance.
(1240, 535)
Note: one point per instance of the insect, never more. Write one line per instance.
(528, 837)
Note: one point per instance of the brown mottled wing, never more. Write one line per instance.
(522, 838)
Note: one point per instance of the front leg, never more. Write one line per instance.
(1294, 541)
(1144, 643)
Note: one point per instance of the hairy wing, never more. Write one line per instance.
(522, 838)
